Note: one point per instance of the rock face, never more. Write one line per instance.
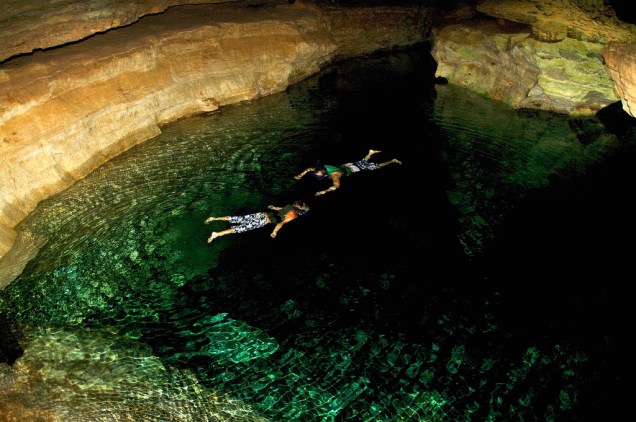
(621, 61)
(32, 25)
(65, 111)
(546, 55)
(73, 96)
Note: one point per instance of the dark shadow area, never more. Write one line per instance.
(10, 348)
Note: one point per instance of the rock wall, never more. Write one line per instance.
(545, 55)
(73, 96)
(26, 26)
(65, 111)
(621, 61)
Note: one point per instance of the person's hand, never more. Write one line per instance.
(271, 207)
(298, 176)
(322, 192)
(273, 235)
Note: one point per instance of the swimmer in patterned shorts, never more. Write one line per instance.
(335, 173)
(243, 223)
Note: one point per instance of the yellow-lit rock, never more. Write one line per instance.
(529, 54)
(621, 61)
(26, 26)
(65, 111)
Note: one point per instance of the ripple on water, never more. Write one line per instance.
(367, 310)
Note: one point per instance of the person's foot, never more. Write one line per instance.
(212, 237)
(207, 220)
(396, 161)
(374, 151)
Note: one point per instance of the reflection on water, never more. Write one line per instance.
(107, 235)
(388, 302)
(496, 156)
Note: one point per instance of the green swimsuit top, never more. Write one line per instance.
(345, 171)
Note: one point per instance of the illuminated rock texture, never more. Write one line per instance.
(42, 24)
(621, 61)
(65, 111)
(544, 55)
(81, 82)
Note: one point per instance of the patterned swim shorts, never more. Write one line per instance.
(366, 165)
(243, 223)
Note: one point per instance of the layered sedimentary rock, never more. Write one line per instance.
(26, 26)
(621, 61)
(545, 55)
(65, 111)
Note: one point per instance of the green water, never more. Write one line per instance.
(397, 298)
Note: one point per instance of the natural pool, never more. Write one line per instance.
(449, 288)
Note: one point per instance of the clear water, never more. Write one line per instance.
(480, 280)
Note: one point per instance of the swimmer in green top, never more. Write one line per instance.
(335, 173)
(243, 223)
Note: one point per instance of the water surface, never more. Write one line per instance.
(448, 288)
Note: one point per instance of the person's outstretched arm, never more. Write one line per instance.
(335, 179)
(304, 172)
(274, 207)
(289, 217)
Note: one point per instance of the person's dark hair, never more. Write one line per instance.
(320, 172)
(301, 207)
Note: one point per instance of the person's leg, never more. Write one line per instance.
(393, 161)
(214, 235)
(370, 154)
(241, 223)
(209, 219)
